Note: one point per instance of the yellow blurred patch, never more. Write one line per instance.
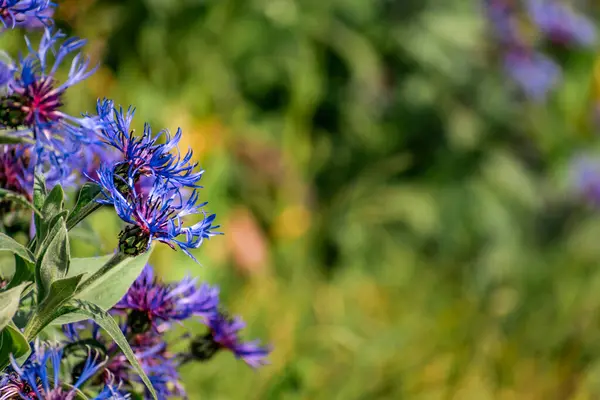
(293, 222)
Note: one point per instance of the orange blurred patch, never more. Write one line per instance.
(203, 137)
(247, 242)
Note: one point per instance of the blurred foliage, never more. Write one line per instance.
(398, 221)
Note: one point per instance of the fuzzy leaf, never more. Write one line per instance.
(8, 243)
(9, 304)
(53, 263)
(24, 271)
(111, 327)
(9, 195)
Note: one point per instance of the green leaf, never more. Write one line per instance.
(52, 208)
(8, 243)
(108, 290)
(39, 196)
(12, 342)
(85, 204)
(53, 263)
(7, 194)
(24, 271)
(60, 292)
(10, 139)
(111, 327)
(9, 304)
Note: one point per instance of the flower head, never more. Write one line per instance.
(25, 13)
(224, 334)
(34, 381)
(15, 172)
(144, 155)
(585, 172)
(155, 215)
(152, 303)
(35, 99)
(561, 24)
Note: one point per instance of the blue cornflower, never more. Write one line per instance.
(533, 72)
(33, 380)
(224, 334)
(35, 98)
(144, 155)
(149, 302)
(560, 23)
(6, 71)
(156, 214)
(25, 13)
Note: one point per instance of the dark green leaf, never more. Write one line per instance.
(24, 271)
(12, 342)
(60, 292)
(108, 290)
(9, 304)
(53, 263)
(53, 205)
(8, 243)
(107, 323)
(85, 204)
(39, 196)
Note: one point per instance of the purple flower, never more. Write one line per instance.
(533, 72)
(224, 334)
(35, 99)
(561, 24)
(33, 380)
(26, 13)
(502, 16)
(155, 215)
(143, 155)
(585, 172)
(152, 303)
(15, 172)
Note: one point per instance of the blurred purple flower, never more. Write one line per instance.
(533, 72)
(502, 16)
(561, 24)
(152, 303)
(585, 173)
(224, 335)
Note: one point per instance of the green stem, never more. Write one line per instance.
(110, 264)
(34, 327)
(83, 213)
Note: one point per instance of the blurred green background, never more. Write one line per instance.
(397, 222)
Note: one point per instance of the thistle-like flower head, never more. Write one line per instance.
(145, 155)
(155, 215)
(150, 302)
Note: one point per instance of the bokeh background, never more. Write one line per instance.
(399, 222)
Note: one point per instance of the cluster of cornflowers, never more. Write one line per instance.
(152, 187)
(522, 28)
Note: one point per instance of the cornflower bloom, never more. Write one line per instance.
(143, 155)
(15, 172)
(224, 335)
(154, 215)
(151, 303)
(25, 13)
(150, 349)
(561, 24)
(33, 381)
(35, 98)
